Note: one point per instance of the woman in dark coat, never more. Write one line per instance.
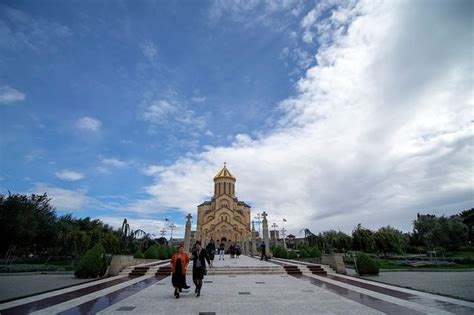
(179, 264)
(211, 251)
(199, 257)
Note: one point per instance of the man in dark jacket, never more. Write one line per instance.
(263, 249)
(199, 257)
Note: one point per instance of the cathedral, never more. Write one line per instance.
(224, 218)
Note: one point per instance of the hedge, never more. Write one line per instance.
(93, 264)
(366, 265)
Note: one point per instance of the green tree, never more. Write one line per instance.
(448, 233)
(93, 264)
(152, 253)
(389, 240)
(366, 265)
(27, 224)
(341, 242)
(467, 217)
(362, 239)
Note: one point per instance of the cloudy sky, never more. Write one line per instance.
(329, 113)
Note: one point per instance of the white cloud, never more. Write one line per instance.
(165, 113)
(34, 155)
(63, 199)
(113, 162)
(149, 50)
(10, 95)
(89, 124)
(69, 175)
(157, 111)
(153, 170)
(380, 129)
(198, 99)
(19, 30)
(149, 226)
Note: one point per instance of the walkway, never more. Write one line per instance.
(243, 293)
(14, 286)
(450, 283)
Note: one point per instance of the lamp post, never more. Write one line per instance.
(172, 226)
(283, 233)
(258, 221)
(274, 226)
(163, 232)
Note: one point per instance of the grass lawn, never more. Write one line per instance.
(57, 266)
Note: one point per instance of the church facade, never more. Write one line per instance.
(223, 218)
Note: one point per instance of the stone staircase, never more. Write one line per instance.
(145, 269)
(292, 270)
(243, 270)
(317, 270)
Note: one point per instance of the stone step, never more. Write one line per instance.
(292, 270)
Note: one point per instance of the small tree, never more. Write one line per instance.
(163, 252)
(152, 253)
(292, 254)
(139, 254)
(366, 265)
(93, 264)
(303, 253)
(314, 253)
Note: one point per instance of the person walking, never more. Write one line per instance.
(199, 257)
(211, 250)
(221, 251)
(232, 250)
(263, 249)
(238, 250)
(179, 264)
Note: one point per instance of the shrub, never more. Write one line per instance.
(93, 264)
(280, 252)
(366, 265)
(163, 252)
(303, 254)
(152, 253)
(292, 255)
(314, 252)
(139, 254)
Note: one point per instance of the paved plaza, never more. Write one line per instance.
(26, 284)
(240, 286)
(458, 284)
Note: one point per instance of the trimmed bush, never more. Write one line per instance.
(152, 253)
(162, 252)
(139, 254)
(314, 253)
(93, 264)
(303, 253)
(280, 252)
(292, 255)
(366, 265)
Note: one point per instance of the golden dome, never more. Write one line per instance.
(224, 173)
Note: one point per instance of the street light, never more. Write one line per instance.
(172, 226)
(274, 226)
(258, 221)
(163, 232)
(283, 233)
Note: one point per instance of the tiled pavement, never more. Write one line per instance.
(255, 294)
(33, 284)
(453, 283)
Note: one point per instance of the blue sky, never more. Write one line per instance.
(127, 109)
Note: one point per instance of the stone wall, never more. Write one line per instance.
(335, 261)
(120, 262)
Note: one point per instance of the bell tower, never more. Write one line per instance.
(224, 183)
